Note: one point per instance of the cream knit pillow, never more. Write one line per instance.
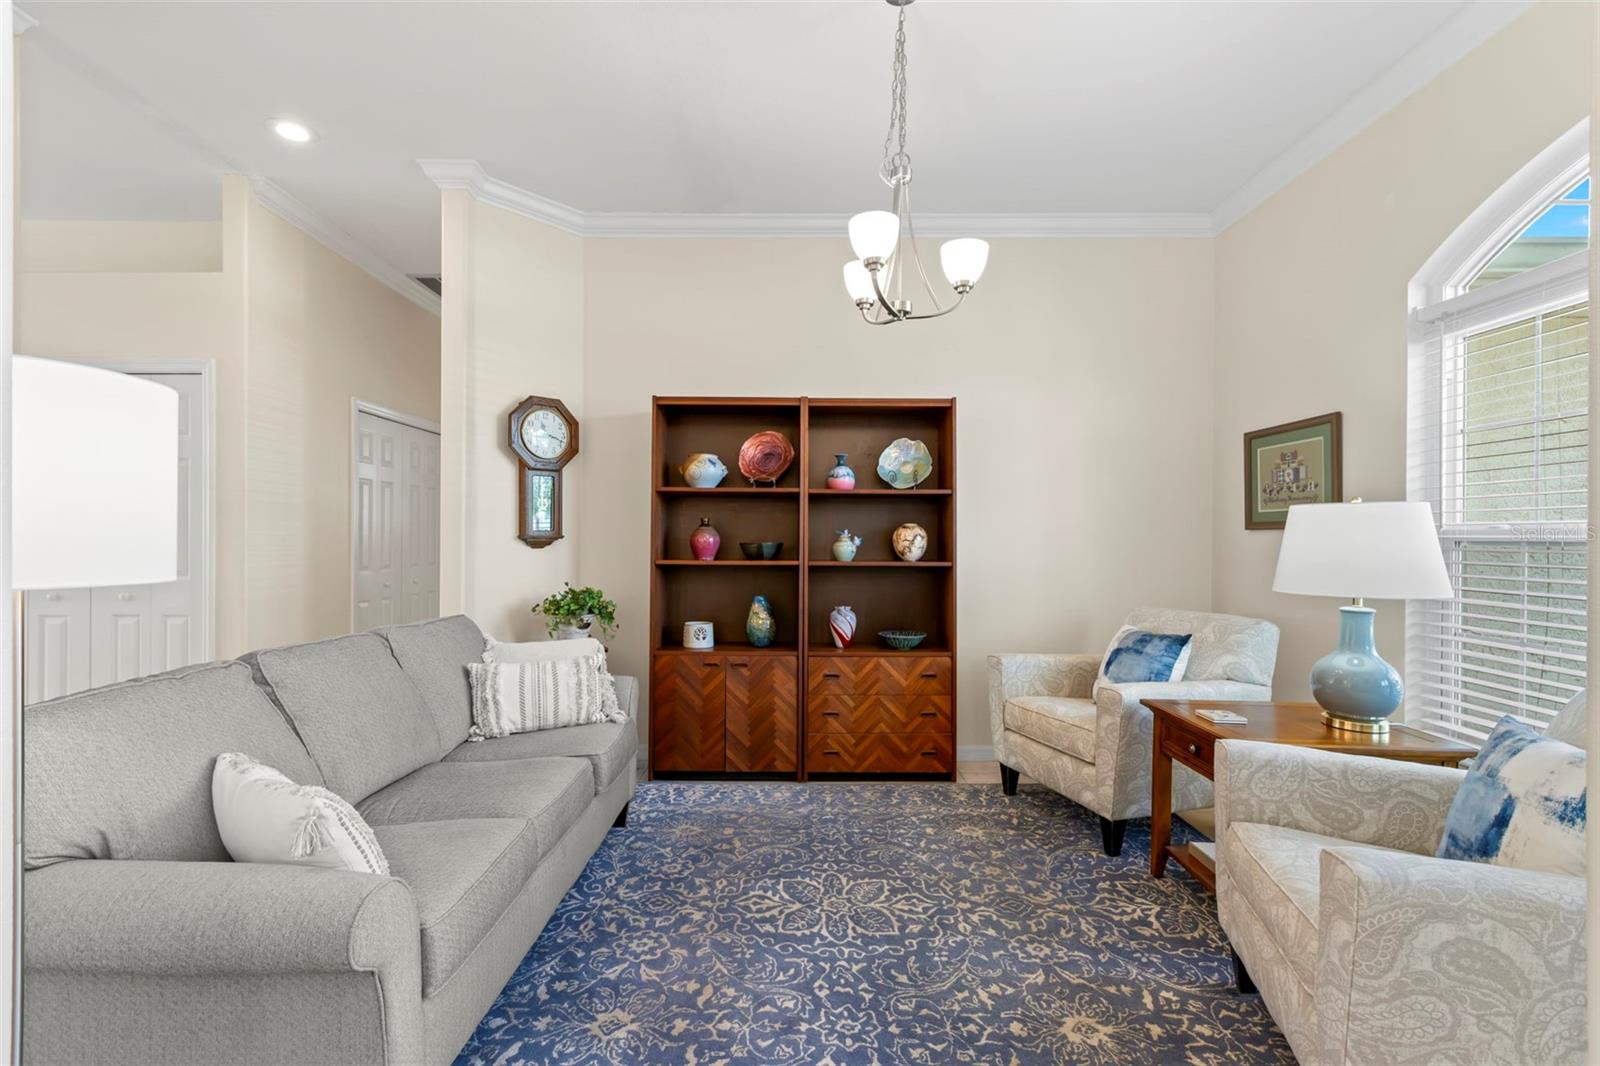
(521, 697)
(265, 817)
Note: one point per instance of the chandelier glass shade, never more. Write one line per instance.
(887, 270)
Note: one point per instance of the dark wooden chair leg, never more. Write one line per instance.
(622, 818)
(1111, 835)
(1008, 779)
(1241, 976)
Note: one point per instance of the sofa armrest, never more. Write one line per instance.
(627, 694)
(1124, 730)
(1431, 960)
(129, 917)
(1364, 800)
(1034, 674)
(196, 962)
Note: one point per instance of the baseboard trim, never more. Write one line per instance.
(973, 753)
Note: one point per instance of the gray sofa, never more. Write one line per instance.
(143, 942)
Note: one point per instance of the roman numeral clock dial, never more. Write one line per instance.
(544, 436)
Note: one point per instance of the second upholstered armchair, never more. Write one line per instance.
(1095, 749)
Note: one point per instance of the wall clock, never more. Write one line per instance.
(544, 435)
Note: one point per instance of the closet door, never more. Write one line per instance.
(394, 522)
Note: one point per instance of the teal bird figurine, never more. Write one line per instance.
(759, 626)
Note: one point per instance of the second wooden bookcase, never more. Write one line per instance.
(802, 707)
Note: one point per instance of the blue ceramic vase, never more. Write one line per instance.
(1354, 684)
(759, 628)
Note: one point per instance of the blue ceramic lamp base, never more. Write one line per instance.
(1356, 689)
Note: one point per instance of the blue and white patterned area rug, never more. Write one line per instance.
(873, 924)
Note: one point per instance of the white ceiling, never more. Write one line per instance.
(130, 110)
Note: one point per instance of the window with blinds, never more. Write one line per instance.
(1498, 444)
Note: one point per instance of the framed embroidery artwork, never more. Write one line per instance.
(1297, 462)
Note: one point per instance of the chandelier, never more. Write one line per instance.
(888, 265)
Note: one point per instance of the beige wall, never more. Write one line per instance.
(1311, 292)
(294, 331)
(513, 326)
(321, 332)
(1082, 370)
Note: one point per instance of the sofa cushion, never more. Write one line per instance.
(463, 875)
(1062, 723)
(553, 793)
(124, 772)
(609, 747)
(435, 656)
(1278, 871)
(1226, 647)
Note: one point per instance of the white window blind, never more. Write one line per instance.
(1498, 444)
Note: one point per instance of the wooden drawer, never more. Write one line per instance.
(878, 714)
(1189, 746)
(866, 675)
(879, 753)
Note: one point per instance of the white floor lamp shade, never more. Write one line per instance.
(94, 477)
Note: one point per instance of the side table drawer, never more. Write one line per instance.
(1188, 746)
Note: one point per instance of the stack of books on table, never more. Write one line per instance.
(1219, 716)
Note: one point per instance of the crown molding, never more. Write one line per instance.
(21, 21)
(1476, 23)
(279, 201)
(468, 174)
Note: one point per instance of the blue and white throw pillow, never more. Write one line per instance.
(1523, 804)
(1135, 656)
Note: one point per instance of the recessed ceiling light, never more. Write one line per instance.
(290, 130)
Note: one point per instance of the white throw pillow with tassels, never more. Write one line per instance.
(265, 817)
(521, 697)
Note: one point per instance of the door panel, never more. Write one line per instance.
(78, 638)
(687, 715)
(762, 704)
(394, 522)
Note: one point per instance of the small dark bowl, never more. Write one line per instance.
(771, 548)
(751, 549)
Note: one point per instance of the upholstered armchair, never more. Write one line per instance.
(1095, 749)
(1366, 948)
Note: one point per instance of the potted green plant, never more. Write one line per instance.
(573, 613)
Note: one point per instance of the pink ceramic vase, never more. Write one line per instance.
(704, 541)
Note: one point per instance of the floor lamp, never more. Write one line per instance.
(94, 502)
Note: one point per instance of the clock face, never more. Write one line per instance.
(544, 433)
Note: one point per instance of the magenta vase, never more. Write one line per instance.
(705, 541)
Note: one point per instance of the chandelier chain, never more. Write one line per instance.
(895, 156)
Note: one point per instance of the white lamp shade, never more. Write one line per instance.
(963, 260)
(94, 477)
(873, 234)
(857, 282)
(1381, 551)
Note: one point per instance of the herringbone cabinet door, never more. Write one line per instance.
(763, 705)
(686, 712)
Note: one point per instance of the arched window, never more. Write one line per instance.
(1498, 444)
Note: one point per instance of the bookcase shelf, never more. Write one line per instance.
(735, 708)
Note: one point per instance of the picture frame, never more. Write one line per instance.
(1296, 462)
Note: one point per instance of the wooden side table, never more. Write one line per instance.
(1182, 735)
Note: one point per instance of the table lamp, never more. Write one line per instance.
(94, 501)
(1386, 551)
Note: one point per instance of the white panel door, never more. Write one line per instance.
(394, 522)
(78, 638)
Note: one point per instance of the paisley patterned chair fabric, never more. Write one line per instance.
(1365, 947)
(1096, 750)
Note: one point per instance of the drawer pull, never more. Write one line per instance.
(711, 666)
(930, 673)
(740, 666)
(1194, 749)
(930, 714)
(830, 714)
(929, 754)
(830, 751)
(831, 674)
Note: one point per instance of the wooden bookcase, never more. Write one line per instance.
(801, 707)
